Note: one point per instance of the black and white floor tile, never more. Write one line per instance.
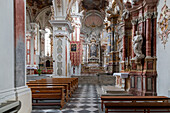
(84, 100)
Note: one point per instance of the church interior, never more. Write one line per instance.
(84, 56)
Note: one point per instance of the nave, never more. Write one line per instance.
(84, 100)
(126, 41)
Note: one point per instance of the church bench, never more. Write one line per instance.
(144, 107)
(132, 99)
(73, 82)
(59, 81)
(66, 91)
(48, 93)
(52, 81)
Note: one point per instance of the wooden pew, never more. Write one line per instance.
(59, 81)
(66, 91)
(132, 98)
(147, 107)
(73, 82)
(48, 93)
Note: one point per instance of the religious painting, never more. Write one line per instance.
(93, 50)
(73, 47)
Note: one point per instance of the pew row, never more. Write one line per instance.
(133, 99)
(48, 88)
(48, 93)
(66, 91)
(144, 107)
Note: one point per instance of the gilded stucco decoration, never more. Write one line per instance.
(164, 24)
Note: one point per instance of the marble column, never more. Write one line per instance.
(124, 54)
(34, 33)
(114, 45)
(148, 16)
(42, 42)
(155, 27)
(28, 48)
(61, 35)
(51, 37)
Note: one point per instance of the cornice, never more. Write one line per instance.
(61, 23)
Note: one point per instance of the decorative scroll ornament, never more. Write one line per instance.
(164, 24)
(52, 13)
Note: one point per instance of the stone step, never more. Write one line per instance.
(114, 91)
(94, 79)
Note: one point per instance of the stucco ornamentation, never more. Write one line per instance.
(59, 57)
(59, 72)
(164, 24)
(59, 50)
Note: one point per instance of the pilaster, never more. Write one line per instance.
(34, 37)
(42, 42)
(61, 36)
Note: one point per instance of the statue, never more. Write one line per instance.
(125, 14)
(137, 46)
(42, 54)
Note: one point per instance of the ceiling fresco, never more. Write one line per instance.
(39, 3)
(94, 4)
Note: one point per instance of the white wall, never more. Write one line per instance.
(163, 62)
(6, 47)
(7, 89)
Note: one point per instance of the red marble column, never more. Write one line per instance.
(155, 26)
(148, 37)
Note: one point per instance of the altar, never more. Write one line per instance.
(122, 80)
(94, 50)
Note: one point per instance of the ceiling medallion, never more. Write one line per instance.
(164, 24)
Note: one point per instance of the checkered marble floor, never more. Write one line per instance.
(84, 100)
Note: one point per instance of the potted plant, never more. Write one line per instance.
(39, 71)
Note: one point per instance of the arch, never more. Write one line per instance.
(43, 17)
(28, 19)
